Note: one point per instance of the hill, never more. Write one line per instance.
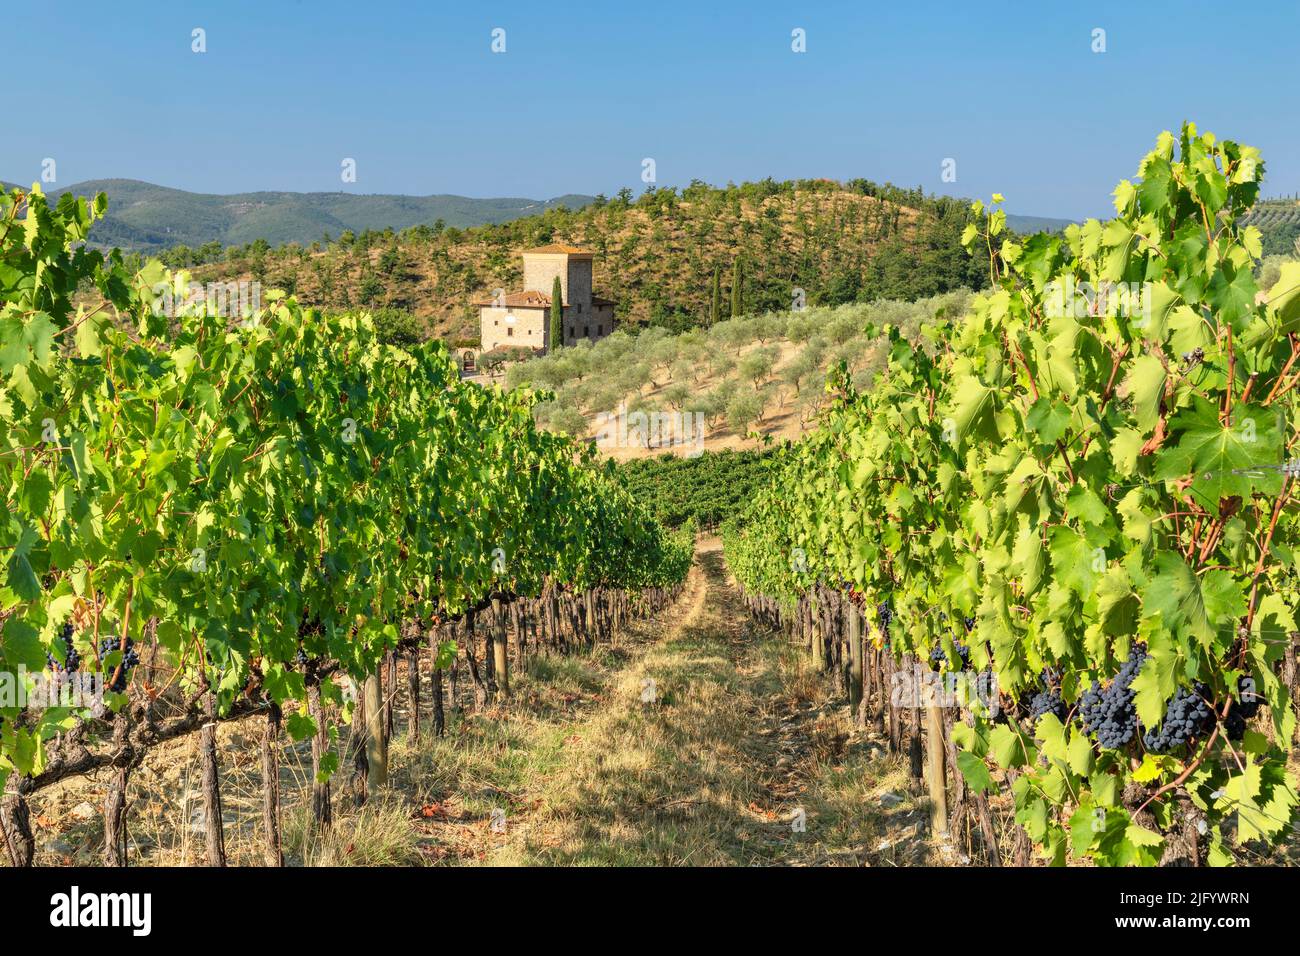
(143, 217)
(1032, 224)
(735, 386)
(655, 255)
(1279, 222)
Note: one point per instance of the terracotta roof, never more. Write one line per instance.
(517, 300)
(597, 300)
(557, 249)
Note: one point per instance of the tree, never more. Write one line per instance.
(557, 314)
(737, 293)
(795, 372)
(715, 312)
(677, 395)
(757, 365)
(397, 327)
(370, 289)
(744, 407)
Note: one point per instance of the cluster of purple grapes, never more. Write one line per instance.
(884, 614)
(1110, 716)
(1108, 712)
(939, 656)
(71, 659)
(1241, 710)
(129, 660)
(1188, 714)
(1049, 699)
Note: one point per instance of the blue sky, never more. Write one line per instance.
(586, 91)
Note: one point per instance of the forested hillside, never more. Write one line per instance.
(656, 255)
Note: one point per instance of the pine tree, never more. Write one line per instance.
(557, 315)
(716, 312)
(737, 282)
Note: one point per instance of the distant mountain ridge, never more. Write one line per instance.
(1031, 224)
(143, 217)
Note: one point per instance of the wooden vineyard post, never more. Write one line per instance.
(882, 688)
(456, 630)
(518, 618)
(388, 692)
(500, 657)
(855, 661)
(935, 761)
(915, 751)
(895, 712)
(320, 789)
(868, 680)
(1291, 674)
(480, 687)
(439, 717)
(376, 746)
(826, 640)
(273, 853)
(358, 741)
(959, 815)
(413, 692)
(814, 634)
(212, 822)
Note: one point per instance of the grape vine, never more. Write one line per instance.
(1097, 464)
(248, 494)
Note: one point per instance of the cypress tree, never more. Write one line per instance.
(716, 312)
(737, 281)
(557, 315)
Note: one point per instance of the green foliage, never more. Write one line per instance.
(743, 408)
(291, 481)
(706, 489)
(1079, 474)
(397, 327)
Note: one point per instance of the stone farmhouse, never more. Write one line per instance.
(523, 319)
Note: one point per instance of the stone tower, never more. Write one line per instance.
(522, 319)
(572, 265)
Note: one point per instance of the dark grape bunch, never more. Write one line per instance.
(129, 660)
(1049, 699)
(1187, 715)
(1048, 702)
(884, 614)
(300, 658)
(1243, 708)
(1108, 712)
(970, 624)
(71, 659)
(939, 656)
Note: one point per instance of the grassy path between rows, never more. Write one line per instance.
(692, 741)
